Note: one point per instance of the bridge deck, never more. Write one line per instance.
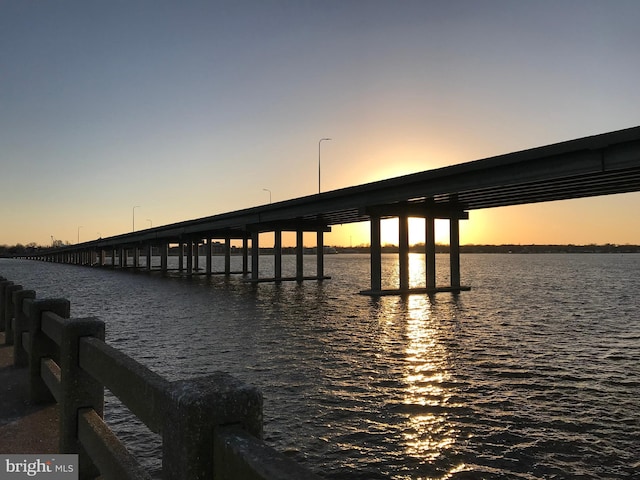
(598, 165)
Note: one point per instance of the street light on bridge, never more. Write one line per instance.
(134, 218)
(267, 190)
(79, 233)
(319, 142)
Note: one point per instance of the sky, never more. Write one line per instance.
(185, 109)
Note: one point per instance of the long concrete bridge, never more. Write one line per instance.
(598, 165)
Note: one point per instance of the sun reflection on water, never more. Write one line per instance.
(428, 432)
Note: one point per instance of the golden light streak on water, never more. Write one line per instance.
(429, 432)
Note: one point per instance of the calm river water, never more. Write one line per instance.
(534, 373)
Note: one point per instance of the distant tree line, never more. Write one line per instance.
(28, 249)
(33, 248)
(18, 249)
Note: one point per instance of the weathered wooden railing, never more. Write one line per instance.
(211, 426)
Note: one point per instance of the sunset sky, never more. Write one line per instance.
(191, 108)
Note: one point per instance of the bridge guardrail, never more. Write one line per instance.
(211, 426)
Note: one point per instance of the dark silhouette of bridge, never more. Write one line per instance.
(597, 165)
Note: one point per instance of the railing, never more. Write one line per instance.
(211, 426)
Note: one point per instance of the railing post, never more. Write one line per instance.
(42, 346)
(78, 389)
(196, 408)
(21, 325)
(3, 285)
(8, 312)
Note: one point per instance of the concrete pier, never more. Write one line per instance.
(428, 210)
(299, 230)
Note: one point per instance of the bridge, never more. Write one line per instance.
(603, 164)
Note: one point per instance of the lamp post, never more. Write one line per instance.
(79, 233)
(319, 142)
(267, 190)
(134, 218)
(150, 223)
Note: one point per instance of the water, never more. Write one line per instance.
(534, 373)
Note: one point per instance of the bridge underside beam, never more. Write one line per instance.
(420, 209)
(290, 226)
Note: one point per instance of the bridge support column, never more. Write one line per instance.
(299, 255)
(227, 256)
(136, 257)
(245, 255)
(277, 254)
(164, 257)
(255, 254)
(209, 254)
(196, 255)
(180, 256)
(454, 252)
(403, 251)
(376, 256)
(430, 252)
(149, 255)
(320, 254)
(190, 257)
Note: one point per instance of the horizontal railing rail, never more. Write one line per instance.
(143, 392)
(211, 426)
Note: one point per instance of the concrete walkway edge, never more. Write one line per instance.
(25, 428)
